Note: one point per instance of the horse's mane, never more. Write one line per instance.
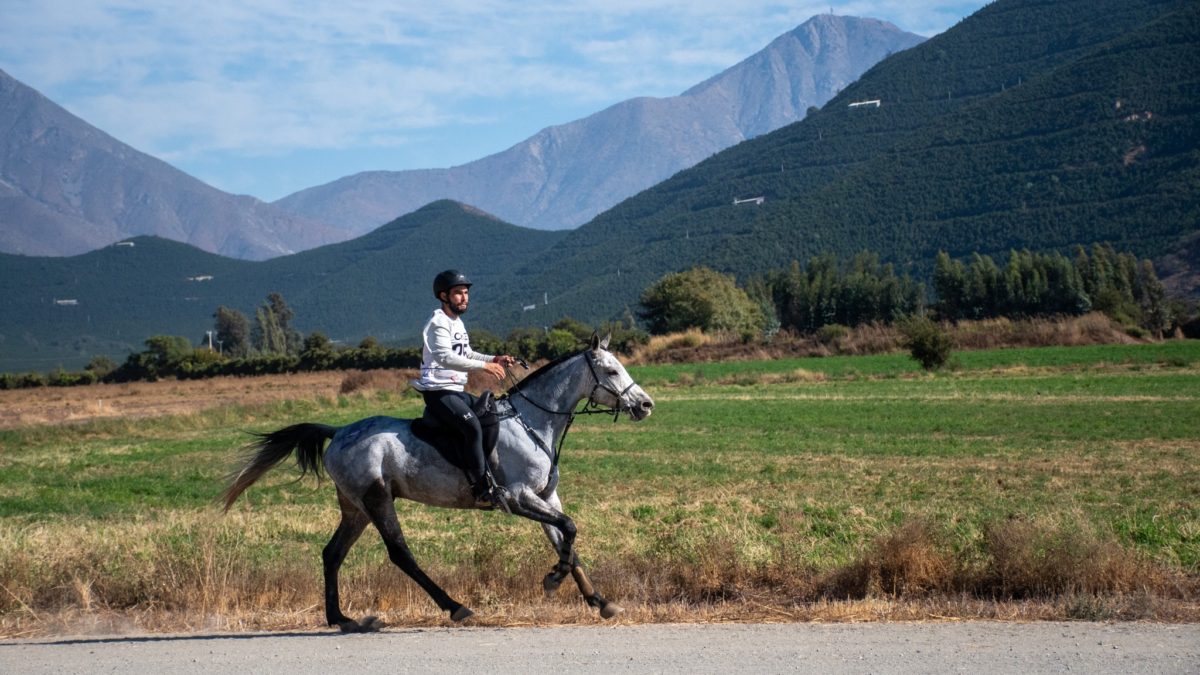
(542, 371)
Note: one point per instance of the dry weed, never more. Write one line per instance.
(200, 575)
(1071, 331)
(377, 380)
(1035, 559)
(909, 562)
(880, 338)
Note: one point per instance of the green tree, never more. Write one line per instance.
(163, 357)
(1152, 299)
(273, 331)
(926, 341)
(318, 352)
(101, 366)
(524, 343)
(559, 342)
(486, 342)
(700, 298)
(233, 332)
(828, 292)
(578, 329)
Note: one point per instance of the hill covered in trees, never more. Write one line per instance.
(1029, 125)
(109, 301)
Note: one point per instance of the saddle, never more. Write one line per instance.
(446, 441)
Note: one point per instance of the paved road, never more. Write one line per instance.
(974, 647)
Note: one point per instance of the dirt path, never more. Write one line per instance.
(977, 647)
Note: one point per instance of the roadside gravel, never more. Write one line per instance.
(975, 647)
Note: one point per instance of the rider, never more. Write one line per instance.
(446, 358)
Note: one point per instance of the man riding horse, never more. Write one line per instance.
(377, 460)
(446, 357)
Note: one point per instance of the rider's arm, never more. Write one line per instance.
(442, 347)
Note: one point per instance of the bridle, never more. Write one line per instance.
(591, 407)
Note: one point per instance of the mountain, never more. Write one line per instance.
(1030, 124)
(67, 187)
(564, 175)
(110, 300)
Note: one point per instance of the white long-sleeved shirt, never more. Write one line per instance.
(446, 354)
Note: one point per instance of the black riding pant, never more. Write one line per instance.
(453, 410)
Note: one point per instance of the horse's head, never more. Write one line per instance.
(614, 387)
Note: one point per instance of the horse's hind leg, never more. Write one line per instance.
(348, 531)
(382, 510)
(560, 530)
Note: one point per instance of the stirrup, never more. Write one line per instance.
(494, 497)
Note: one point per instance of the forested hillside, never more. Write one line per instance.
(1030, 124)
(109, 301)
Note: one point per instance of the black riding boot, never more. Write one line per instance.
(487, 494)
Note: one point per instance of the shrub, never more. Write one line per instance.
(832, 335)
(101, 366)
(22, 380)
(700, 298)
(1031, 559)
(910, 561)
(317, 352)
(926, 341)
(558, 343)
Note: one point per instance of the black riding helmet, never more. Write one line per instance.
(449, 279)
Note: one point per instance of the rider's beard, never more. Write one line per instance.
(459, 309)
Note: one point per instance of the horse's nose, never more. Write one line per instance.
(647, 405)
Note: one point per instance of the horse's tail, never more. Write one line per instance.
(307, 439)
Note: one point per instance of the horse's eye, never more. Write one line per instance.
(613, 373)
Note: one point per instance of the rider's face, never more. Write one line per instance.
(458, 298)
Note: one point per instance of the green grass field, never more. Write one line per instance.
(758, 470)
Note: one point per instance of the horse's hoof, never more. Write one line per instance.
(370, 624)
(610, 609)
(550, 584)
(461, 614)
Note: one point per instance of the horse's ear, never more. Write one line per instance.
(595, 341)
(604, 342)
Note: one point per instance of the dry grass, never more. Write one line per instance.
(393, 380)
(138, 400)
(1074, 331)
(876, 338)
(200, 575)
(909, 562)
(1029, 560)
(699, 554)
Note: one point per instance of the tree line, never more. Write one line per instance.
(270, 344)
(825, 293)
(1037, 284)
(828, 291)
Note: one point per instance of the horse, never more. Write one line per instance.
(377, 460)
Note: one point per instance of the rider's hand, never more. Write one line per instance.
(495, 369)
(505, 360)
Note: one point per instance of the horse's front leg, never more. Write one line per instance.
(560, 530)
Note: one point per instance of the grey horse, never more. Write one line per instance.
(377, 460)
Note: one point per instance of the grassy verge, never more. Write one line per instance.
(1023, 483)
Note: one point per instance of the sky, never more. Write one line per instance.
(273, 96)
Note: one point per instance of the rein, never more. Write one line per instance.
(591, 407)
